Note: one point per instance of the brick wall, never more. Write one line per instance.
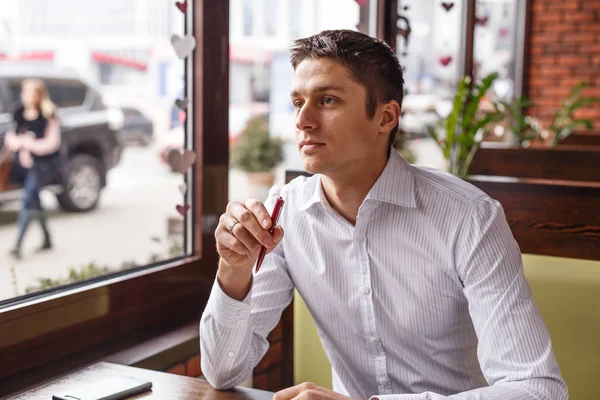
(564, 49)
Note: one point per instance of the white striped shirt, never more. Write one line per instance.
(423, 298)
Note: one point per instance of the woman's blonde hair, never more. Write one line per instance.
(46, 105)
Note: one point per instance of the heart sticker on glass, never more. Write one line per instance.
(183, 46)
(182, 6)
(182, 104)
(445, 60)
(182, 210)
(181, 161)
(447, 6)
(482, 21)
(182, 188)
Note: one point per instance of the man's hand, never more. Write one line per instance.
(308, 391)
(241, 232)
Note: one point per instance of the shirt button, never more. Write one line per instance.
(383, 381)
(241, 322)
(374, 340)
(231, 354)
(366, 291)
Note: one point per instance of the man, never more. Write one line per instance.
(412, 276)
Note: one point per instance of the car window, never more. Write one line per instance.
(3, 105)
(14, 89)
(63, 92)
(66, 93)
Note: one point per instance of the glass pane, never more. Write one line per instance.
(261, 76)
(106, 200)
(432, 57)
(495, 45)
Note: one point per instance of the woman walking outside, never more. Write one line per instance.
(36, 142)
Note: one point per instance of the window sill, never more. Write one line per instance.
(154, 349)
(136, 309)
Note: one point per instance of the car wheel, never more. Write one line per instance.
(84, 183)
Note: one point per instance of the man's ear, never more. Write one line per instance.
(390, 116)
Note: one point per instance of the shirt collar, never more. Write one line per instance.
(395, 185)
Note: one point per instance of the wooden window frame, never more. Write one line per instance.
(116, 311)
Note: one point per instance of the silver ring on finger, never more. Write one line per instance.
(232, 225)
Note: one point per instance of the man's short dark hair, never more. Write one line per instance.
(371, 62)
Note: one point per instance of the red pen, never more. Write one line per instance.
(274, 217)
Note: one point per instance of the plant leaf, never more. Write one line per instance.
(457, 107)
(480, 91)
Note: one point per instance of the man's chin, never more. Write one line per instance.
(312, 166)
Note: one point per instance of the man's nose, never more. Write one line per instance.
(305, 119)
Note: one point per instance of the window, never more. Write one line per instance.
(3, 105)
(66, 93)
(14, 90)
(76, 323)
(248, 17)
(431, 57)
(496, 33)
(120, 205)
(270, 17)
(295, 17)
(434, 57)
(261, 74)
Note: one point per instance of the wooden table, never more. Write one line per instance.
(164, 386)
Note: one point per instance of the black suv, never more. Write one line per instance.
(90, 133)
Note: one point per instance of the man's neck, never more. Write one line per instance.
(347, 191)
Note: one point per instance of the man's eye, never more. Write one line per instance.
(328, 100)
(297, 104)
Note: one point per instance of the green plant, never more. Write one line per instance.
(521, 126)
(256, 150)
(88, 271)
(91, 270)
(564, 123)
(465, 124)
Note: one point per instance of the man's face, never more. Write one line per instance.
(332, 128)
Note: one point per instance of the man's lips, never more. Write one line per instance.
(309, 147)
(310, 143)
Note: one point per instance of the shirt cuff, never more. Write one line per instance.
(226, 311)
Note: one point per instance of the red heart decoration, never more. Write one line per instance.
(448, 6)
(182, 6)
(481, 21)
(445, 60)
(503, 32)
(183, 209)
